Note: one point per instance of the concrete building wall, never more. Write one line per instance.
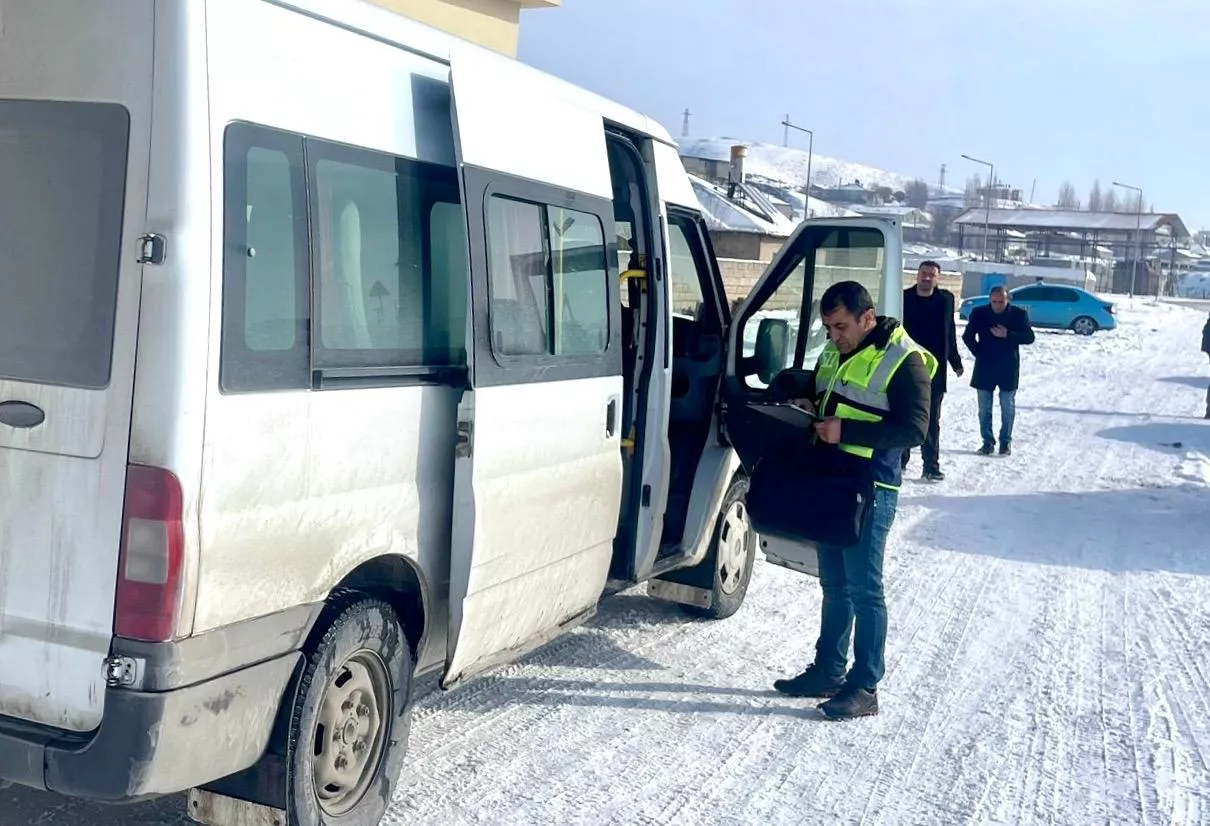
(741, 245)
(491, 23)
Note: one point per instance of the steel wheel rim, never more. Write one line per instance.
(1085, 326)
(733, 548)
(350, 734)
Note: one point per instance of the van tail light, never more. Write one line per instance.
(152, 556)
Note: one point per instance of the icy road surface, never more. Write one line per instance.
(1048, 659)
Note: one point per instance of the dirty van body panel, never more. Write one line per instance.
(311, 470)
(75, 122)
(169, 404)
(538, 469)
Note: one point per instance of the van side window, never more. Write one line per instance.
(687, 298)
(266, 297)
(378, 254)
(548, 280)
(376, 301)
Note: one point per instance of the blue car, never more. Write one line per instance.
(1055, 307)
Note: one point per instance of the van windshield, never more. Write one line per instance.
(62, 187)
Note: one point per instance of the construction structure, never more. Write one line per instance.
(1146, 247)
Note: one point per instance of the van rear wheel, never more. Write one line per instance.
(349, 726)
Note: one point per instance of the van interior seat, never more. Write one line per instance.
(697, 364)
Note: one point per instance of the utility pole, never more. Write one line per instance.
(685, 123)
(810, 157)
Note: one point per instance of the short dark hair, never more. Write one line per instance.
(999, 288)
(932, 264)
(848, 294)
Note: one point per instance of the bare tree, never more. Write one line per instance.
(1096, 198)
(1110, 203)
(974, 189)
(918, 194)
(1067, 197)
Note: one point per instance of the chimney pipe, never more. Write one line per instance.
(738, 153)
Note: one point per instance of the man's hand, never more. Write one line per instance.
(958, 371)
(805, 404)
(1000, 331)
(829, 430)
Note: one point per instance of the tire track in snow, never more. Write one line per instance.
(1179, 707)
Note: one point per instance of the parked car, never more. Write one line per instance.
(1056, 307)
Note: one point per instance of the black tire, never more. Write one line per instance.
(364, 645)
(1085, 326)
(730, 586)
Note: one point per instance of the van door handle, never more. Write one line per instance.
(22, 415)
(611, 418)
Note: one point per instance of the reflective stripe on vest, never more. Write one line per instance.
(864, 378)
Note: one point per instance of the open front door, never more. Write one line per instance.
(538, 473)
(778, 327)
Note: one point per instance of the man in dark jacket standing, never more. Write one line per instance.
(994, 335)
(928, 317)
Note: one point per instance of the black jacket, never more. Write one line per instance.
(1206, 337)
(903, 426)
(930, 323)
(997, 360)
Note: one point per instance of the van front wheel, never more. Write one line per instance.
(349, 727)
(732, 555)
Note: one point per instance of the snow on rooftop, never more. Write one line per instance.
(795, 199)
(725, 215)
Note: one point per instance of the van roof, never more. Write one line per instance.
(391, 27)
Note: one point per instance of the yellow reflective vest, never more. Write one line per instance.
(859, 385)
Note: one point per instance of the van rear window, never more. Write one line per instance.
(62, 188)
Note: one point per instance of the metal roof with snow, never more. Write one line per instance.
(1067, 220)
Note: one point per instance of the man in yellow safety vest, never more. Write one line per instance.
(872, 387)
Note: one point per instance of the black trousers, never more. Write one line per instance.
(931, 449)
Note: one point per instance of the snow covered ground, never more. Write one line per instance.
(1048, 658)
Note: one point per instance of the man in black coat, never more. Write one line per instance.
(928, 317)
(994, 335)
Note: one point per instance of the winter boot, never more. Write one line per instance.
(1006, 449)
(814, 682)
(850, 703)
(987, 449)
(934, 475)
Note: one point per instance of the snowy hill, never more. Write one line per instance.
(789, 165)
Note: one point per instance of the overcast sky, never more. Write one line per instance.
(1050, 90)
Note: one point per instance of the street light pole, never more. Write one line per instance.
(1138, 238)
(987, 216)
(806, 209)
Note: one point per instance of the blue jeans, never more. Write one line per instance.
(851, 579)
(1008, 413)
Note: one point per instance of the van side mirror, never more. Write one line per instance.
(772, 347)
